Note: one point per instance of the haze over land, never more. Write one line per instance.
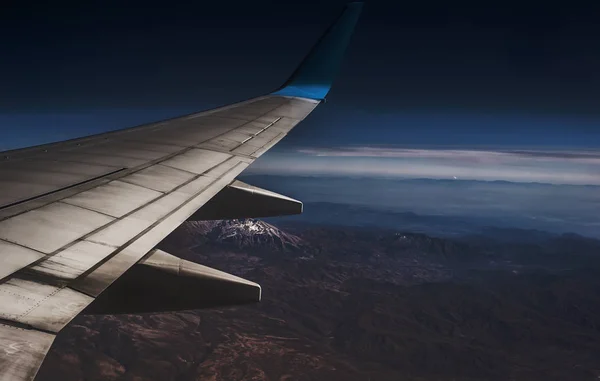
(440, 206)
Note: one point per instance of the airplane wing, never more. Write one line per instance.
(76, 215)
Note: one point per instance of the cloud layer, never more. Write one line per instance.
(545, 166)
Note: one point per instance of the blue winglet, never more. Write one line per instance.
(313, 78)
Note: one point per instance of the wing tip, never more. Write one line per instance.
(314, 76)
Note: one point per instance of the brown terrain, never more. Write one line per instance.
(359, 304)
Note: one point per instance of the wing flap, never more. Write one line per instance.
(41, 306)
(241, 200)
(55, 225)
(22, 352)
(73, 261)
(101, 277)
(114, 199)
(14, 257)
(196, 160)
(164, 282)
(56, 310)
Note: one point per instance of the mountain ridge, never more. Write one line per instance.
(357, 304)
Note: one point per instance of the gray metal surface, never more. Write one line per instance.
(26, 178)
(241, 200)
(159, 177)
(75, 216)
(73, 261)
(161, 282)
(51, 227)
(21, 352)
(14, 257)
(115, 199)
(196, 160)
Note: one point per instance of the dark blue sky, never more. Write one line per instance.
(419, 73)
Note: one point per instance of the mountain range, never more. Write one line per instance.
(360, 303)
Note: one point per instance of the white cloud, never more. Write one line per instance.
(549, 166)
(483, 156)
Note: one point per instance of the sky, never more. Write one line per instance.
(450, 76)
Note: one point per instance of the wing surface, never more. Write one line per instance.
(75, 215)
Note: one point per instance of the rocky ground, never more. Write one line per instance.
(359, 304)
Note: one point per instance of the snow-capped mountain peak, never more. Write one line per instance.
(244, 233)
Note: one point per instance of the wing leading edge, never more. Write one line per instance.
(76, 215)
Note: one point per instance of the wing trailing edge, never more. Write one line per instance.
(163, 282)
(22, 352)
(241, 200)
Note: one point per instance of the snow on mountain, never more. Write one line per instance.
(244, 233)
